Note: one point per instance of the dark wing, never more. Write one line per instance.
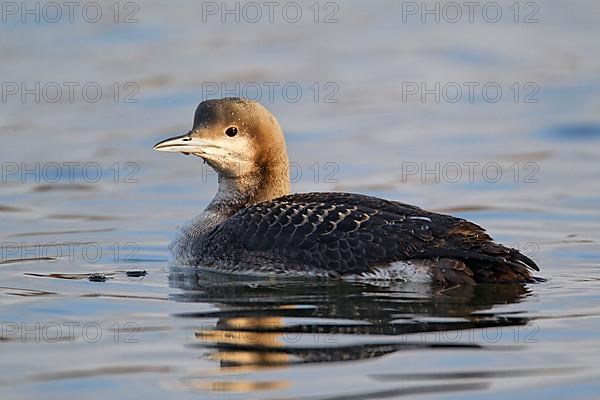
(347, 233)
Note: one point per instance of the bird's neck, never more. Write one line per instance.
(261, 185)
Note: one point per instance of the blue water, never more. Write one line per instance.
(78, 317)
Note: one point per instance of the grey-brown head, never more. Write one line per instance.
(243, 142)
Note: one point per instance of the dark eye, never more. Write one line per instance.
(231, 131)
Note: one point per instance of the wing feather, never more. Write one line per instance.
(347, 233)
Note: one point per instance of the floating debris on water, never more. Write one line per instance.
(136, 273)
(96, 277)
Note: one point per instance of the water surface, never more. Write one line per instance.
(90, 306)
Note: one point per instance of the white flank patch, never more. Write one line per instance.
(397, 271)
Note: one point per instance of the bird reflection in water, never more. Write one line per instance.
(274, 323)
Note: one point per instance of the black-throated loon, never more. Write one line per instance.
(254, 226)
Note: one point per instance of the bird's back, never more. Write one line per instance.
(342, 234)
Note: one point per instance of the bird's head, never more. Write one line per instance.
(241, 140)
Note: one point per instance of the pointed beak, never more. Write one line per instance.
(182, 144)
